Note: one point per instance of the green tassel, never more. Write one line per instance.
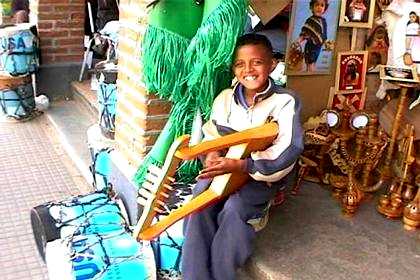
(209, 55)
(163, 53)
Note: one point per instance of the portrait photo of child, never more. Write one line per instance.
(412, 41)
(404, 36)
(312, 37)
(357, 13)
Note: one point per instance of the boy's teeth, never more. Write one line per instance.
(250, 78)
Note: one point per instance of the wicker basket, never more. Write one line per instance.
(11, 82)
(294, 59)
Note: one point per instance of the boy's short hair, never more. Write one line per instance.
(254, 39)
(312, 3)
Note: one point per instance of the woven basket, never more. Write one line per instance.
(11, 82)
(294, 58)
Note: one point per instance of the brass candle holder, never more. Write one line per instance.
(411, 213)
(352, 198)
(391, 205)
(356, 155)
(401, 191)
(401, 109)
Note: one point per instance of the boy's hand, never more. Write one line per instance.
(220, 166)
(210, 158)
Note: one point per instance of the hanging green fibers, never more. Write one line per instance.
(210, 53)
(205, 73)
(163, 53)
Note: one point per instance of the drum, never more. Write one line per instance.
(18, 49)
(86, 214)
(107, 97)
(100, 168)
(100, 148)
(111, 256)
(16, 96)
(168, 251)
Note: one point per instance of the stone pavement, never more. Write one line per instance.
(307, 238)
(33, 170)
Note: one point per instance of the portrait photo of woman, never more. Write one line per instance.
(357, 13)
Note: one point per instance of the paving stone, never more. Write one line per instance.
(31, 173)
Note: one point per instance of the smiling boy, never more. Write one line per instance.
(218, 239)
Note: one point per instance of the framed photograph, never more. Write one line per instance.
(399, 74)
(312, 36)
(377, 44)
(357, 13)
(404, 34)
(351, 71)
(354, 101)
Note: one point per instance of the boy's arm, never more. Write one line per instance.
(210, 132)
(278, 160)
(214, 162)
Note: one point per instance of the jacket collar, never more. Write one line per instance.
(239, 94)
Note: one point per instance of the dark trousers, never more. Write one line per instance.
(218, 239)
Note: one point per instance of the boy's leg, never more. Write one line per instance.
(232, 243)
(199, 230)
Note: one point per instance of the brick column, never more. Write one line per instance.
(61, 29)
(140, 115)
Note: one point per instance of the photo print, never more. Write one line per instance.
(351, 71)
(357, 13)
(312, 36)
(399, 74)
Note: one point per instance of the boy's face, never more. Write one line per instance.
(318, 8)
(252, 66)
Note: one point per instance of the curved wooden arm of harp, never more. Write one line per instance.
(154, 191)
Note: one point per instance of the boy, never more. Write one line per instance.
(218, 238)
(314, 32)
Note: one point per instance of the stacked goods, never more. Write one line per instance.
(18, 59)
(87, 237)
(107, 96)
(16, 96)
(100, 148)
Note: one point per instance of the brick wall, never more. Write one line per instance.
(61, 29)
(140, 115)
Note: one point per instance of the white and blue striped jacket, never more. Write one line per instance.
(231, 113)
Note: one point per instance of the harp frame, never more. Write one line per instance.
(239, 145)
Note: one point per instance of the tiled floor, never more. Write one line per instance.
(32, 171)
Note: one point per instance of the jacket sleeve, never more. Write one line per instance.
(220, 109)
(209, 128)
(278, 160)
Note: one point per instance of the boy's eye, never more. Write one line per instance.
(238, 64)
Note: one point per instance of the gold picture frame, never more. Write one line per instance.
(350, 75)
(357, 13)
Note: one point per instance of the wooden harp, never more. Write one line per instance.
(154, 191)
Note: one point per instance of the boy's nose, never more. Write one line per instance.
(248, 67)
